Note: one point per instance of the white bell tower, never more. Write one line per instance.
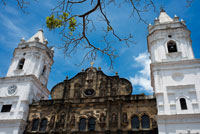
(175, 75)
(25, 82)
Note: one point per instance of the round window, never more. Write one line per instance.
(89, 92)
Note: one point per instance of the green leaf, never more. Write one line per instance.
(109, 28)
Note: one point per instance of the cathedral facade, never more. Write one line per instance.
(94, 103)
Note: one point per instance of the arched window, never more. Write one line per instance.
(91, 124)
(35, 125)
(183, 104)
(21, 64)
(145, 121)
(43, 125)
(82, 124)
(135, 123)
(44, 70)
(171, 46)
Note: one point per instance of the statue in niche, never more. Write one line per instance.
(76, 94)
(114, 118)
(51, 124)
(72, 121)
(103, 89)
(102, 118)
(153, 122)
(90, 78)
(62, 119)
(113, 91)
(77, 90)
(125, 118)
(103, 93)
(90, 75)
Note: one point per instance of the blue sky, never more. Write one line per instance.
(132, 63)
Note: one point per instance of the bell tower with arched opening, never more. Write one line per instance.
(175, 75)
(25, 82)
(169, 40)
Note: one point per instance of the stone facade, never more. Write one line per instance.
(92, 102)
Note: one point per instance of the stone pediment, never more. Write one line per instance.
(91, 83)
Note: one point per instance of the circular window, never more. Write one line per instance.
(89, 92)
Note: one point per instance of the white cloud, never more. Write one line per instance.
(11, 10)
(14, 31)
(9, 24)
(142, 78)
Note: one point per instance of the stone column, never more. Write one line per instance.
(108, 116)
(119, 115)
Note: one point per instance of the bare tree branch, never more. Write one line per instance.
(86, 25)
(73, 2)
(81, 39)
(22, 4)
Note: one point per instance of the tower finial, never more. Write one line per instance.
(40, 30)
(162, 9)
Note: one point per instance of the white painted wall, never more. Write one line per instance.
(28, 89)
(174, 75)
(31, 85)
(177, 81)
(179, 124)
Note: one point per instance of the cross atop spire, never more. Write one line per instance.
(91, 64)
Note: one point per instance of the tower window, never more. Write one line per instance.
(145, 121)
(82, 124)
(21, 64)
(44, 70)
(171, 45)
(6, 108)
(135, 123)
(183, 104)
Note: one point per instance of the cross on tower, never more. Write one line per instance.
(91, 63)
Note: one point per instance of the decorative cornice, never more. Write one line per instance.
(24, 78)
(46, 51)
(192, 63)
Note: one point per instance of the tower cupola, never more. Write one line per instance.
(169, 39)
(32, 57)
